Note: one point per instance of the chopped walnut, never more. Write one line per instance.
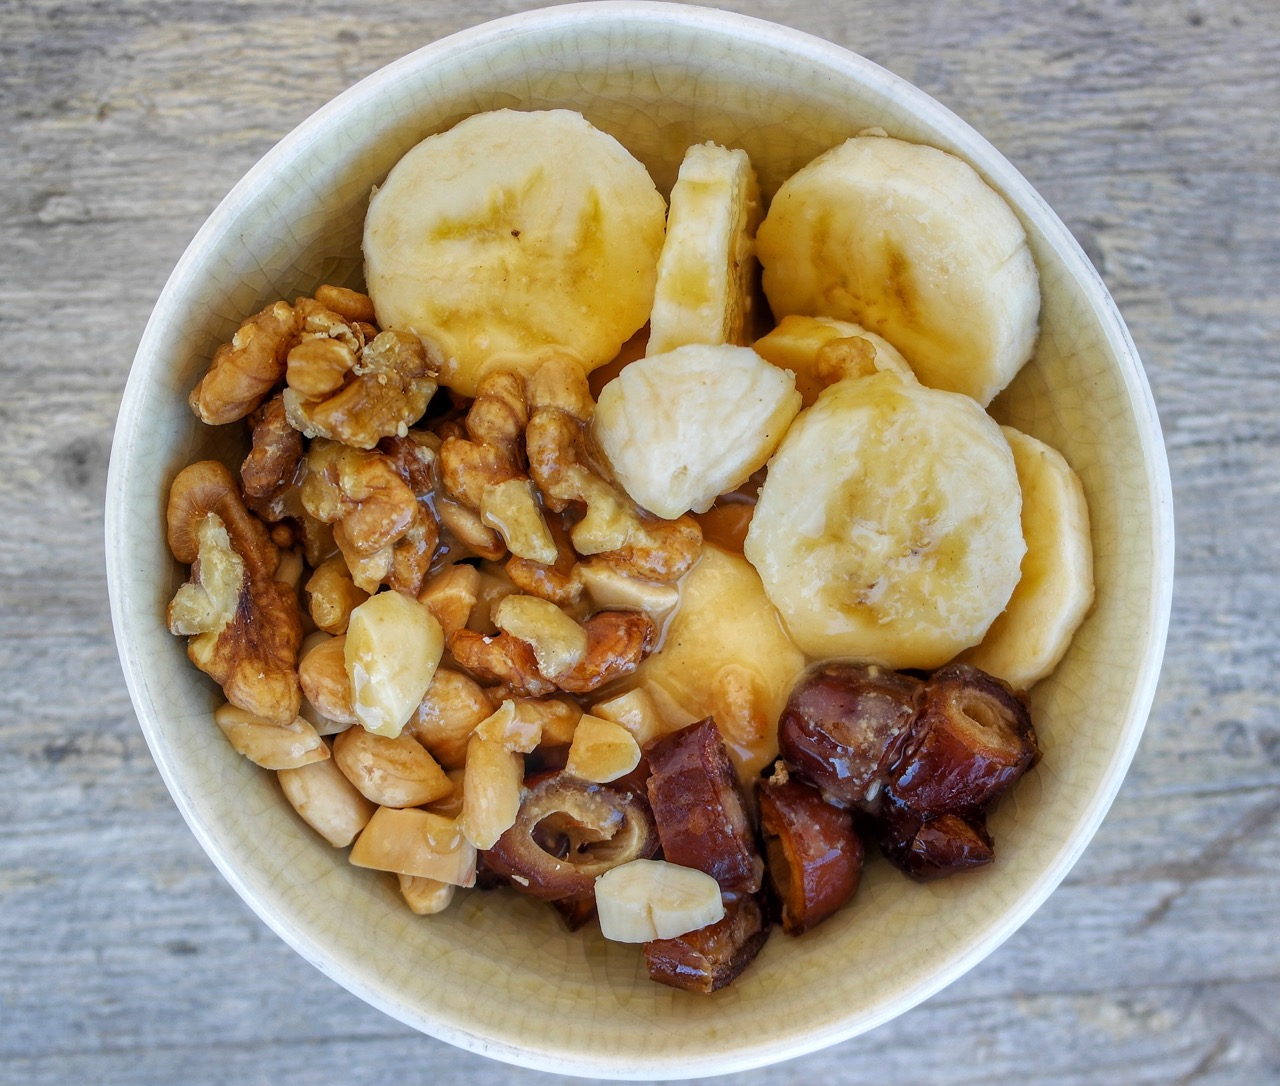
(244, 626)
(501, 659)
(558, 642)
(467, 529)
(360, 397)
(271, 476)
(451, 595)
(617, 642)
(568, 475)
(558, 581)
(484, 472)
(246, 369)
(275, 457)
(350, 305)
(383, 527)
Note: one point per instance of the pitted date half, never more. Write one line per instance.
(814, 856)
(699, 808)
(971, 741)
(845, 726)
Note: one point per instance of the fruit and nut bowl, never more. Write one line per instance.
(613, 559)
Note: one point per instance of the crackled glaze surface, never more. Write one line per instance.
(657, 79)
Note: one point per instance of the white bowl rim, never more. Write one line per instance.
(998, 168)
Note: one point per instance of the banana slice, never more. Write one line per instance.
(821, 351)
(726, 655)
(706, 271)
(1055, 591)
(888, 528)
(653, 899)
(514, 236)
(910, 242)
(681, 428)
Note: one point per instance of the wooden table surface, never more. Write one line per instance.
(1150, 125)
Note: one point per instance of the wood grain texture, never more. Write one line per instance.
(1150, 127)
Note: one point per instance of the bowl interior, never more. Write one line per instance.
(496, 973)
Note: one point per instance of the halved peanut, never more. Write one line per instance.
(289, 568)
(637, 712)
(392, 649)
(559, 644)
(612, 590)
(411, 841)
(511, 728)
(447, 715)
(491, 791)
(323, 675)
(390, 772)
(328, 802)
(272, 746)
(450, 595)
(557, 717)
(451, 805)
(601, 751)
(426, 897)
(332, 595)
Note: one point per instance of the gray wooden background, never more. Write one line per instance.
(1150, 125)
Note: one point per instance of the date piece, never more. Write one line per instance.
(708, 959)
(814, 856)
(972, 740)
(568, 832)
(844, 727)
(699, 808)
(932, 848)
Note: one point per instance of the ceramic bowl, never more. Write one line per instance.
(497, 974)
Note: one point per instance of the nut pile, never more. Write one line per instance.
(465, 610)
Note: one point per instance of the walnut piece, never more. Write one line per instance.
(245, 627)
(569, 475)
(360, 397)
(484, 472)
(382, 525)
(245, 370)
(559, 580)
(617, 642)
(271, 477)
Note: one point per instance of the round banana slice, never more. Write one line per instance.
(821, 351)
(706, 271)
(681, 428)
(1055, 591)
(514, 236)
(910, 242)
(888, 528)
(725, 654)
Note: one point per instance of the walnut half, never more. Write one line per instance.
(245, 627)
(360, 396)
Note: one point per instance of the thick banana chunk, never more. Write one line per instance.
(725, 655)
(888, 528)
(1055, 591)
(821, 351)
(910, 242)
(514, 236)
(681, 428)
(707, 268)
